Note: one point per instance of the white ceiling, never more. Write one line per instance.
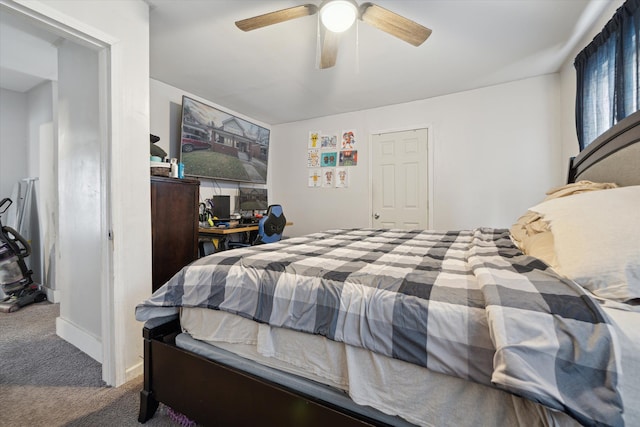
(270, 74)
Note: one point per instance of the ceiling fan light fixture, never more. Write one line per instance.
(338, 15)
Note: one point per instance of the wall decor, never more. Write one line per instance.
(342, 177)
(348, 140)
(328, 177)
(329, 142)
(314, 137)
(348, 158)
(315, 178)
(219, 145)
(328, 167)
(328, 159)
(313, 158)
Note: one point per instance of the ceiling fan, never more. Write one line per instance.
(336, 17)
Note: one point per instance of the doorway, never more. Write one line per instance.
(77, 202)
(401, 179)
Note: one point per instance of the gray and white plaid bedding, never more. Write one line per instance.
(464, 303)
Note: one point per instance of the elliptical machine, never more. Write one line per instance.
(17, 289)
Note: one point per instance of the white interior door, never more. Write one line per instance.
(400, 180)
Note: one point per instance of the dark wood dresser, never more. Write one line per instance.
(174, 226)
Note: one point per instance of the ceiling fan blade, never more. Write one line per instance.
(394, 24)
(328, 48)
(276, 17)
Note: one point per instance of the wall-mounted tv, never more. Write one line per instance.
(252, 199)
(218, 145)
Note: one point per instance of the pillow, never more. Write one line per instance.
(532, 236)
(531, 233)
(597, 240)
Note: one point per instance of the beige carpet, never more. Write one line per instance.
(45, 381)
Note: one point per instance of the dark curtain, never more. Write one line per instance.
(607, 75)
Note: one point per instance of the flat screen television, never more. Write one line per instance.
(252, 199)
(217, 145)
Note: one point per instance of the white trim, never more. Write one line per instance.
(80, 338)
(53, 295)
(59, 23)
(109, 365)
(430, 166)
(134, 371)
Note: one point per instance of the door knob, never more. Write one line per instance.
(376, 215)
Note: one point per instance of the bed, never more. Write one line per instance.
(532, 325)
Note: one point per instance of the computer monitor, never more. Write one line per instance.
(252, 199)
(221, 207)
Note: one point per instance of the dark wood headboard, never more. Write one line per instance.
(613, 157)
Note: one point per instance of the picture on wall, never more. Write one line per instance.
(219, 145)
(348, 140)
(328, 177)
(315, 178)
(348, 158)
(329, 142)
(313, 158)
(329, 159)
(314, 136)
(342, 178)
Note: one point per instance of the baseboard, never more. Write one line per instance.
(134, 371)
(80, 338)
(53, 295)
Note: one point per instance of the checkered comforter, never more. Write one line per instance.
(464, 303)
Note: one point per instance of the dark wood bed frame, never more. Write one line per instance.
(614, 141)
(211, 393)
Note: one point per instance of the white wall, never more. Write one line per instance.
(496, 152)
(26, 59)
(21, 115)
(166, 105)
(13, 140)
(79, 197)
(40, 165)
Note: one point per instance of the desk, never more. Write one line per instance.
(221, 233)
(215, 231)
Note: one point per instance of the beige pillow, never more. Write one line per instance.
(597, 240)
(531, 233)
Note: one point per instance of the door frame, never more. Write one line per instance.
(430, 167)
(68, 28)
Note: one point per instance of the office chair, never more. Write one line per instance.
(206, 247)
(270, 228)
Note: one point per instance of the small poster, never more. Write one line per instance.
(329, 159)
(348, 158)
(315, 178)
(313, 158)
(329, 142)
(342, 177)
(348, 140)
(328, 177)
(314, 137)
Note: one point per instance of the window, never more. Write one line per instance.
(608, 88)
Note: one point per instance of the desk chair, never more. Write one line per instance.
(206, 247)
(270, 228)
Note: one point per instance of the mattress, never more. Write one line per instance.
(395, 387)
